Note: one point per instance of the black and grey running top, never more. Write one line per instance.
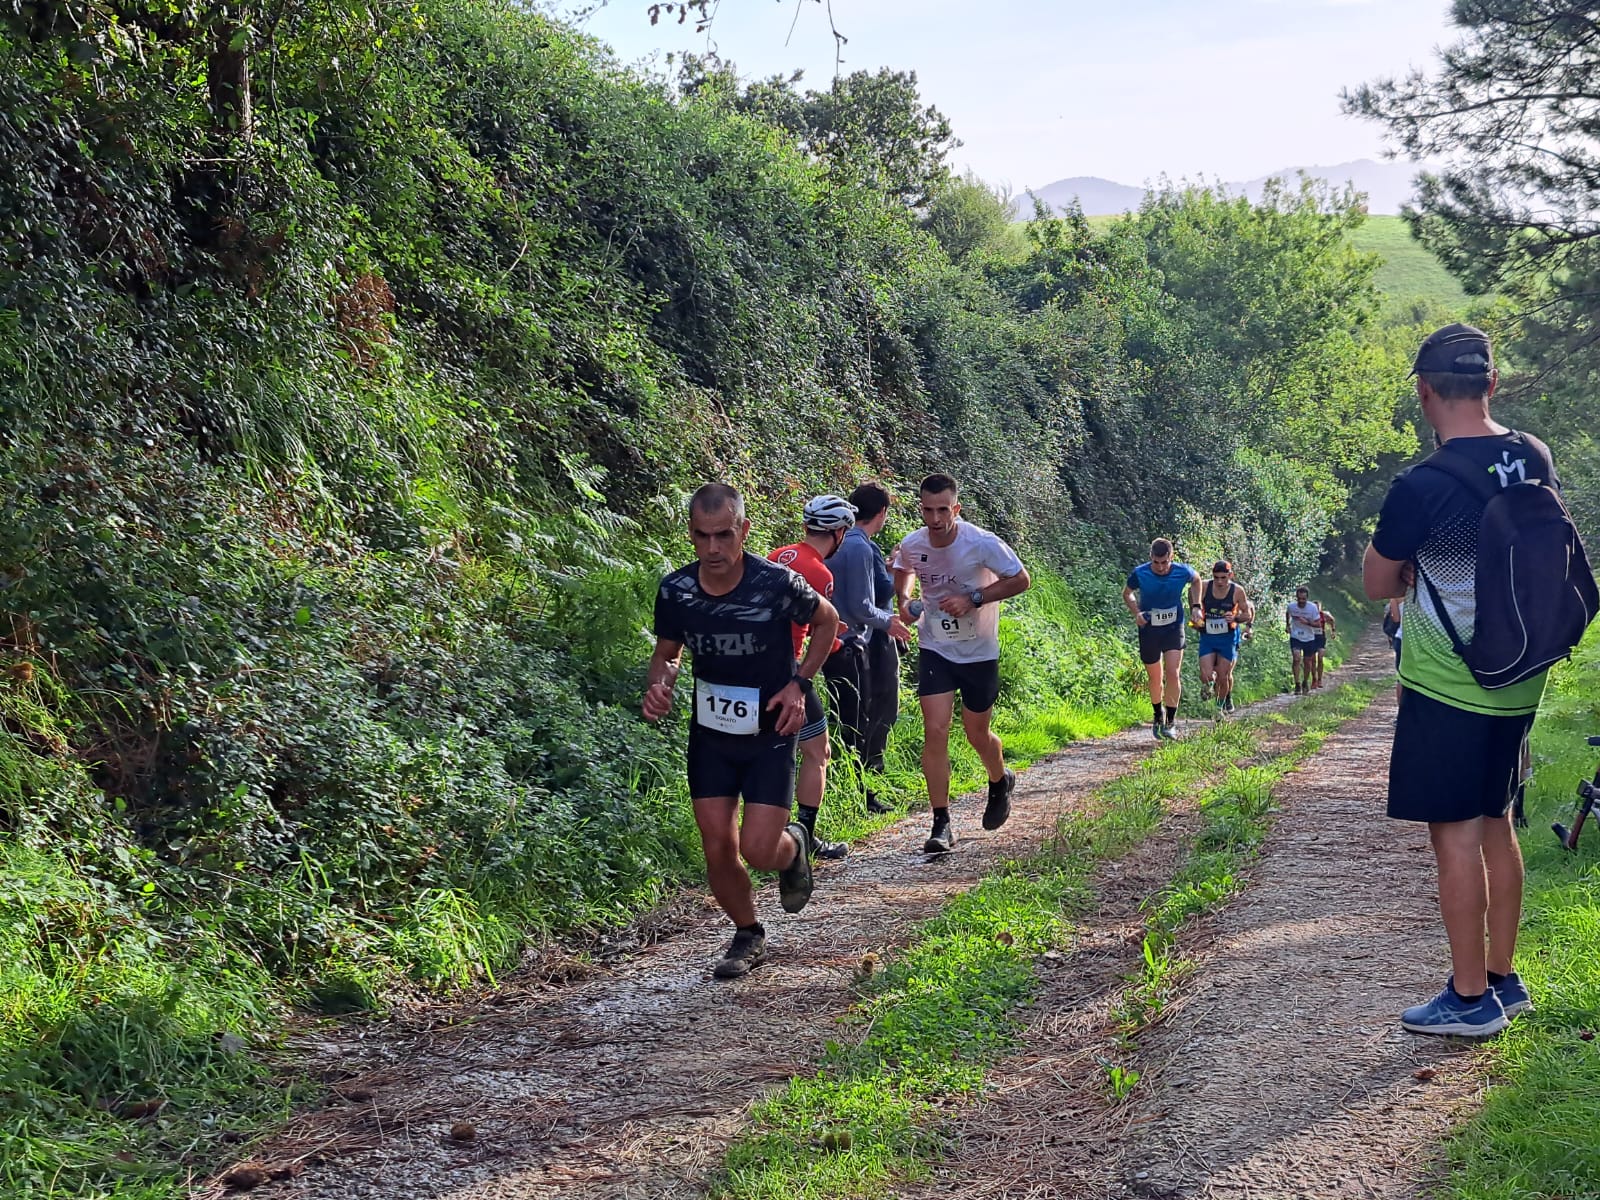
(741, 644)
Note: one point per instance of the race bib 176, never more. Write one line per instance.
(727, 709)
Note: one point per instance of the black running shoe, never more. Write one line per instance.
(941, 841)
(1155, 728)
(1227, 704)
(744, 954)
(874, 805)
(999, 806)
(830, 850)
(794, 881)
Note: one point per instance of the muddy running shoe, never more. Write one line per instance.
(942, 840)
(999, 806)
(1227, 703)
(829, 850)
(1156, 728)
(794, 881)
(1447, 1014)
(744, 954)
(1168, 732)
(1205, 689)
(1513, 995)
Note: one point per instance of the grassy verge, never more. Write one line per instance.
(1538, 1133)
(943, 1011)
(1237, 814)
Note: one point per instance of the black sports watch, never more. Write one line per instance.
(976, 596)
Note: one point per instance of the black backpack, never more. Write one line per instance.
(1535, 593)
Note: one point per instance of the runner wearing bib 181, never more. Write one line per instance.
(1223, 609)
(962, 573)
(1303, 620)
(1154, 595)
(735, 612)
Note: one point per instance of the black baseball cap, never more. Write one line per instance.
(1454, 350)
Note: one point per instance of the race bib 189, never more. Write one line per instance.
(1163, 616)
(1216, 624)
(727, 709)
(942, 627)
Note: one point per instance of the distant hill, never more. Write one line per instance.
(1388, 185)
(1096, 196)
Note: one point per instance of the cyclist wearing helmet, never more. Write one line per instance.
(826, 519)
(962, 573)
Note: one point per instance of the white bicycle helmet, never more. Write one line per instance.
(824, 513)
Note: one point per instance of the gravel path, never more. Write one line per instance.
(630, 1082)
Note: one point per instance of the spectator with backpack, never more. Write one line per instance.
(1497, 589)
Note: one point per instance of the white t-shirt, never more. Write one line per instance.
(975, 559)
(1305, 621)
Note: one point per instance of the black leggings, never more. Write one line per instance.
(883, 695)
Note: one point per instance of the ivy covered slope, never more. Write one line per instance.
(355, 358)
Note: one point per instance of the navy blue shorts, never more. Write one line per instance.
(1449, 764)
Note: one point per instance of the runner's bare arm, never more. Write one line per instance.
(1385, 578)
(665, 663)
(1131, 599)
(1001, 589)
(902, 593)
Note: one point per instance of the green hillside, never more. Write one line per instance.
(1408, 270)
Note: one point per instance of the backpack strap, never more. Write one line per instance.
(1482, 484)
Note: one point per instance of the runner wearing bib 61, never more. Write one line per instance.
(1154, 596)
(1224, 609)
(962, 572)
(1303, 619)
(735, 612)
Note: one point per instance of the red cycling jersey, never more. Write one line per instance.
(807, 563)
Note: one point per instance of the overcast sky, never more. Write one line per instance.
(1039, 90)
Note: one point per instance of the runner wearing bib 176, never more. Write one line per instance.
(962, 573)
(1224, 607)
(1303, 621)
(827, 519)
(1154, 595)
(735, 612)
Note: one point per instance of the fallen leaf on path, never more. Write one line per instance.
(1425, 1074)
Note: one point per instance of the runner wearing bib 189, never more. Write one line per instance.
(735, 613)
(1223, 607)
(1154, 595)
(962, 572)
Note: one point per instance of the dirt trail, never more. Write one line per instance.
(632, 1082)
(1284, 1072)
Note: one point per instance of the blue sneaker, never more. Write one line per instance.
(1513, 995)
(1448, 1014)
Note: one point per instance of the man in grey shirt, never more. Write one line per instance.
(864, 676)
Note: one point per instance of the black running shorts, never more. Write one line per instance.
(1156, 640)
(1315, 646)
(978, 682)
(1449, 764)
(816, 719)
(759, 768)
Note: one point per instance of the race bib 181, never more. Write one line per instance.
(1163, 616)
(727, 709)
(1216, 624)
